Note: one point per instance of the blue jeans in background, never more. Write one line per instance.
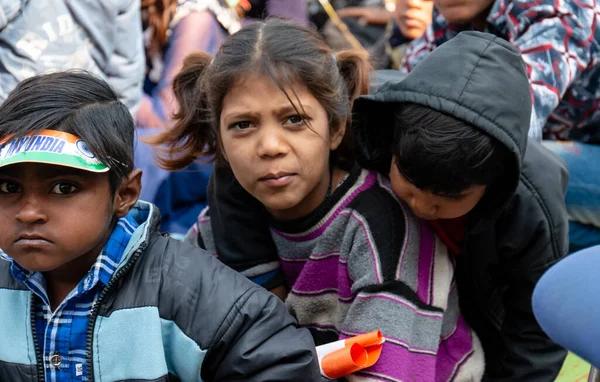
(583, 192)
(565, 303)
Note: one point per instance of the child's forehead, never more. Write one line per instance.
(41, 170)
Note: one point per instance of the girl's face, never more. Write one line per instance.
(272, 150)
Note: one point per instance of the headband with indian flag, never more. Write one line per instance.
(50, 147)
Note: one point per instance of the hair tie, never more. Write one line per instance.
(334, 58)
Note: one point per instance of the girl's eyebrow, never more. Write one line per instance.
(286, 109)
(242, 114)
(290, 109)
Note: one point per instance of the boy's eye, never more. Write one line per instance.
(9, 187)
(63, 189)
(241, 125)
(455, 198)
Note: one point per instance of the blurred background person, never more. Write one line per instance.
(410, 21)
(102, 37)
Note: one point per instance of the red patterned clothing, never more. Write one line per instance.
(560, 43)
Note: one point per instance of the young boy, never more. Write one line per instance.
(461, 159)
(89, 289)
(560, 44)
(455, 134)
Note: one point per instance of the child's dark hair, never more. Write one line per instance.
(284, 52)
(78, 103)
(444, 155)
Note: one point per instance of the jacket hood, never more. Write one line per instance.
(475, 77)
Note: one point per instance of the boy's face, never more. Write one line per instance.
(413, 17)
(57, 218)
(463, 11)
(429, 206)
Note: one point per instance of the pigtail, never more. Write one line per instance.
(192, 135)
(355, 68)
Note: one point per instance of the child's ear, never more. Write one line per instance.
(128, 193)
(337, 135)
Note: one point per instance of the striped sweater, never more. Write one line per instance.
(362, 262)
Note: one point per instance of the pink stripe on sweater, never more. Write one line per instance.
(454, 351)
(426, 262)
(400, 301)
(397, 363)
(316, 275)
(413, 349)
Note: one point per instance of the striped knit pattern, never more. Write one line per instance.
(365, 263)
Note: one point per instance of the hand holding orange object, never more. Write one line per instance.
(340, 358)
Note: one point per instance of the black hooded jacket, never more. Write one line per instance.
(521, 228)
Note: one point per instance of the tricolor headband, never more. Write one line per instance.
(50, 147)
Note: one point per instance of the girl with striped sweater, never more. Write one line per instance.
(273, 107)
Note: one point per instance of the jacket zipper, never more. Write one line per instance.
(38, 357)
(94, 312)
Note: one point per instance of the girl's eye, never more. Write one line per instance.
(9, 187)
(295, 120)
(241, 125)
(63, 189)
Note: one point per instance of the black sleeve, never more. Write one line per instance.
(246, 332)
(259, 341)
(533, 239)
(239, 225)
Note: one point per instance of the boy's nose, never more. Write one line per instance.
(415, 205)
(414, 4)
(31, 212)
(422, 208)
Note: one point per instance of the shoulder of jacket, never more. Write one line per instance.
(194, 285)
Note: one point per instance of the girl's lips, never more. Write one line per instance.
(278, 181)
